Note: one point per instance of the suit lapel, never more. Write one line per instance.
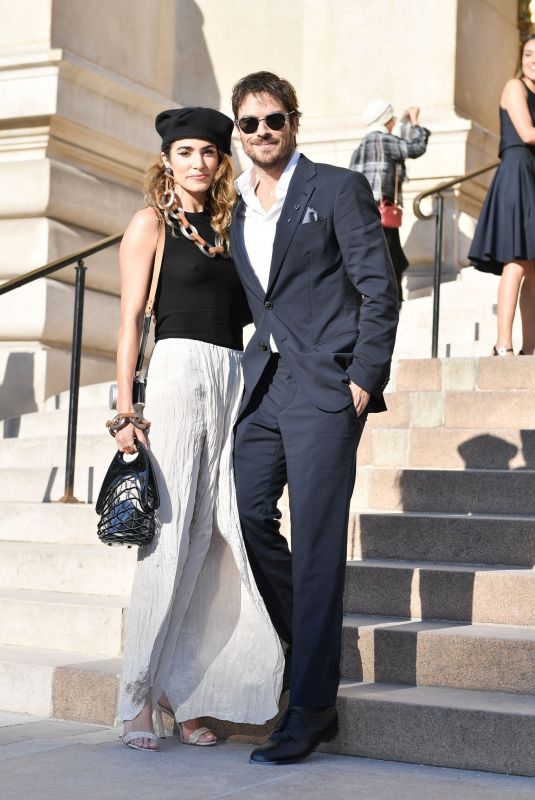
(239, 253)
(295, 205)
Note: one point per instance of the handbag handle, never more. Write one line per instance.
(158, 256)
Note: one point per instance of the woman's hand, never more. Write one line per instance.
(127, 437)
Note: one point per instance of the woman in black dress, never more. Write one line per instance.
(504, 241)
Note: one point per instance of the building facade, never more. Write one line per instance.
(82, 81)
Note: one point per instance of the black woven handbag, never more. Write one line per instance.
(128, 500)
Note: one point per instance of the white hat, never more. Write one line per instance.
(378, 111)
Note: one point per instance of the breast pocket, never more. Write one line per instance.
(310, 227)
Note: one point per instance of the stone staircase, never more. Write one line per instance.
(438, 657)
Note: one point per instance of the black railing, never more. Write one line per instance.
(76, 347)
(438, 213)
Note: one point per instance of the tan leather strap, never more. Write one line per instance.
(158, 256)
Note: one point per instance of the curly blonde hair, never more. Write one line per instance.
(220, 199)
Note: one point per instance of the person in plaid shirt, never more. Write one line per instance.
(380, 155)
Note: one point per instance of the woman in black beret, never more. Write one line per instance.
(199, 640)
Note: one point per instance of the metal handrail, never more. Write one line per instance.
(76, 347)
(60, 263)
(438, 212)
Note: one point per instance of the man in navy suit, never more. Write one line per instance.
(308, 245)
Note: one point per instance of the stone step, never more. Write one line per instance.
(27, 678)
(457, 409)
(448, 448)
(475, 491)
(44, 451)
(46, 484)
(460, 728)
(457, 592)
(56, 523)
(388, 721)
(422, 653)
(91, 420)
(62, 621)
(427, 374)
(95, 394)
(514, 409)
(463, 374)
(76, 569)
(464, 538)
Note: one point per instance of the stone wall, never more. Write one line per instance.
(82, 81)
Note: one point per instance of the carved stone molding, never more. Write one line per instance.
(526, 17)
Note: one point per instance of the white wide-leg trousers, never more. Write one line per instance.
(197, 627)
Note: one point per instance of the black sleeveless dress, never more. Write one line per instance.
(506, 228)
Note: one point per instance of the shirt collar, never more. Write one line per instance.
(247, 180)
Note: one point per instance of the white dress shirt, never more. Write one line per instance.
(259, 226)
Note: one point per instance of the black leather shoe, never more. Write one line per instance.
(298, 733)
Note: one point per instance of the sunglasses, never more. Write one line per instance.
(274, 121)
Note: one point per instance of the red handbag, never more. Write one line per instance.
(391, 214)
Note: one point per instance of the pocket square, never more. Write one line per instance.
(311, 215)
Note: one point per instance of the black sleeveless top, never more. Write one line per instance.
(199, 297)
(509, 136)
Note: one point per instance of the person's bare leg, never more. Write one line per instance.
(143, 722)
(508, 291)
(527, 308)
(189, 725)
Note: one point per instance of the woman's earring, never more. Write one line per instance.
(168, 196)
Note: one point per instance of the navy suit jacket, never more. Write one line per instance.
(332, 302)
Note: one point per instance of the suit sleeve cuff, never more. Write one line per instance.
(363, 379)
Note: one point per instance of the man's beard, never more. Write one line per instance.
(273, 160)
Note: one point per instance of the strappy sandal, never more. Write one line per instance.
(193, 738)
(129, 738)
(501, 351)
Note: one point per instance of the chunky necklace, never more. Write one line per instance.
(190, 232)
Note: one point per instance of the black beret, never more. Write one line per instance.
(195, 123)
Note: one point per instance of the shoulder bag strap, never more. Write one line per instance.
(158, 256)
(396, 183)
(378, 160)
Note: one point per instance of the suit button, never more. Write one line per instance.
(268, 304)
(262, 346)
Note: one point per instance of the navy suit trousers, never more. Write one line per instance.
(282, 437)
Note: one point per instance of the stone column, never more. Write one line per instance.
(81, 83)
